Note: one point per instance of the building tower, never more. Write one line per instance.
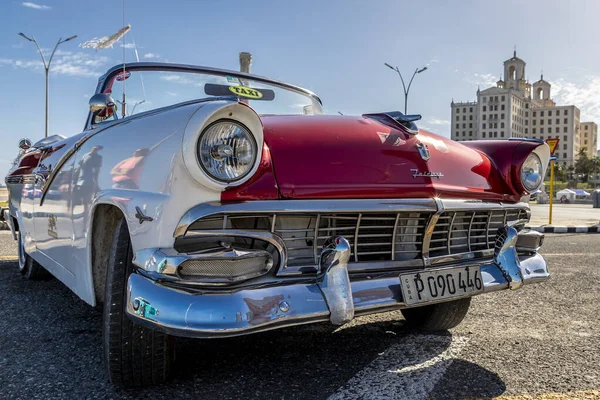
(514, 73)
(541, 93)
(541, 89)
(500, 83)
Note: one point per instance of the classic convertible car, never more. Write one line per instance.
(208, 203)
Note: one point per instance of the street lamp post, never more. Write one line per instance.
(46, 65)
(406, 90)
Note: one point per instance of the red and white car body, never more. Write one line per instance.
(332, 217)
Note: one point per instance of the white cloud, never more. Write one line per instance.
(482, 80)
(60, 52)
(29, 64)
(437, 121)
(36, 6)
(585, 95)
(66, 63)
(434, 60)
(128, 45)
(151, 55)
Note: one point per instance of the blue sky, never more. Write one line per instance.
(335, 48)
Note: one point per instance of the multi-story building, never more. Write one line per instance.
(516, 108)
(589, 137)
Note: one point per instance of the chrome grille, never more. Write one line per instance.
(374, 236)
(467, 231)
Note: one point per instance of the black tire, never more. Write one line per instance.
(134, 356)
(438, 317)
(28, 267)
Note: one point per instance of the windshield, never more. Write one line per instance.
(151, 89)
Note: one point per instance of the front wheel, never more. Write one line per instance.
(438, 317)
(134, 356)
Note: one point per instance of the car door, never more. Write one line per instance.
(52, 212)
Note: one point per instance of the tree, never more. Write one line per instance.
(560, 172)
(570, 172)
(582, 165)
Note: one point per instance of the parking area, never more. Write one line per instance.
(542, 341)
(565, 214)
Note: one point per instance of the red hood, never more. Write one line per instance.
(343, 157)
(358, 157)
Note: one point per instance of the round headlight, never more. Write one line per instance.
(531, 173)
(227, 151)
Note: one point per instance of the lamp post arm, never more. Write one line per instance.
(403, 85)
(53, 51)
(405, 91)
(40, 51)
(411, 79)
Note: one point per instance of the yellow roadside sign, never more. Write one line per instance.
(553, 144)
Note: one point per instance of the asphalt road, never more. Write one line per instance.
(542, 341)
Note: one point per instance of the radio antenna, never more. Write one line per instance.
(124, 104)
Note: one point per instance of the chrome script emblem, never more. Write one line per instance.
(419, 174)
(423, 151)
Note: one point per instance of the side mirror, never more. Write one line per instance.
(102, 106)
(24, 144)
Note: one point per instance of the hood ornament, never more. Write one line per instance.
(423, 151)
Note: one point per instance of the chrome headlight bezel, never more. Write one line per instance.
(527, 170)
(203, 158)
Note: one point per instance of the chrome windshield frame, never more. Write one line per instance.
(153, 66)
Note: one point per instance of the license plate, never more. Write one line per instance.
(447, 283)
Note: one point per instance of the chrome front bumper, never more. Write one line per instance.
(332, 297)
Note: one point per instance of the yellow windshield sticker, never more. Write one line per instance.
(244, 91)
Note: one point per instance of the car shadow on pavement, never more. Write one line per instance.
(465, 380)
(301, 362)
(58, 343)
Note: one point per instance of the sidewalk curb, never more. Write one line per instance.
(565, 229)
